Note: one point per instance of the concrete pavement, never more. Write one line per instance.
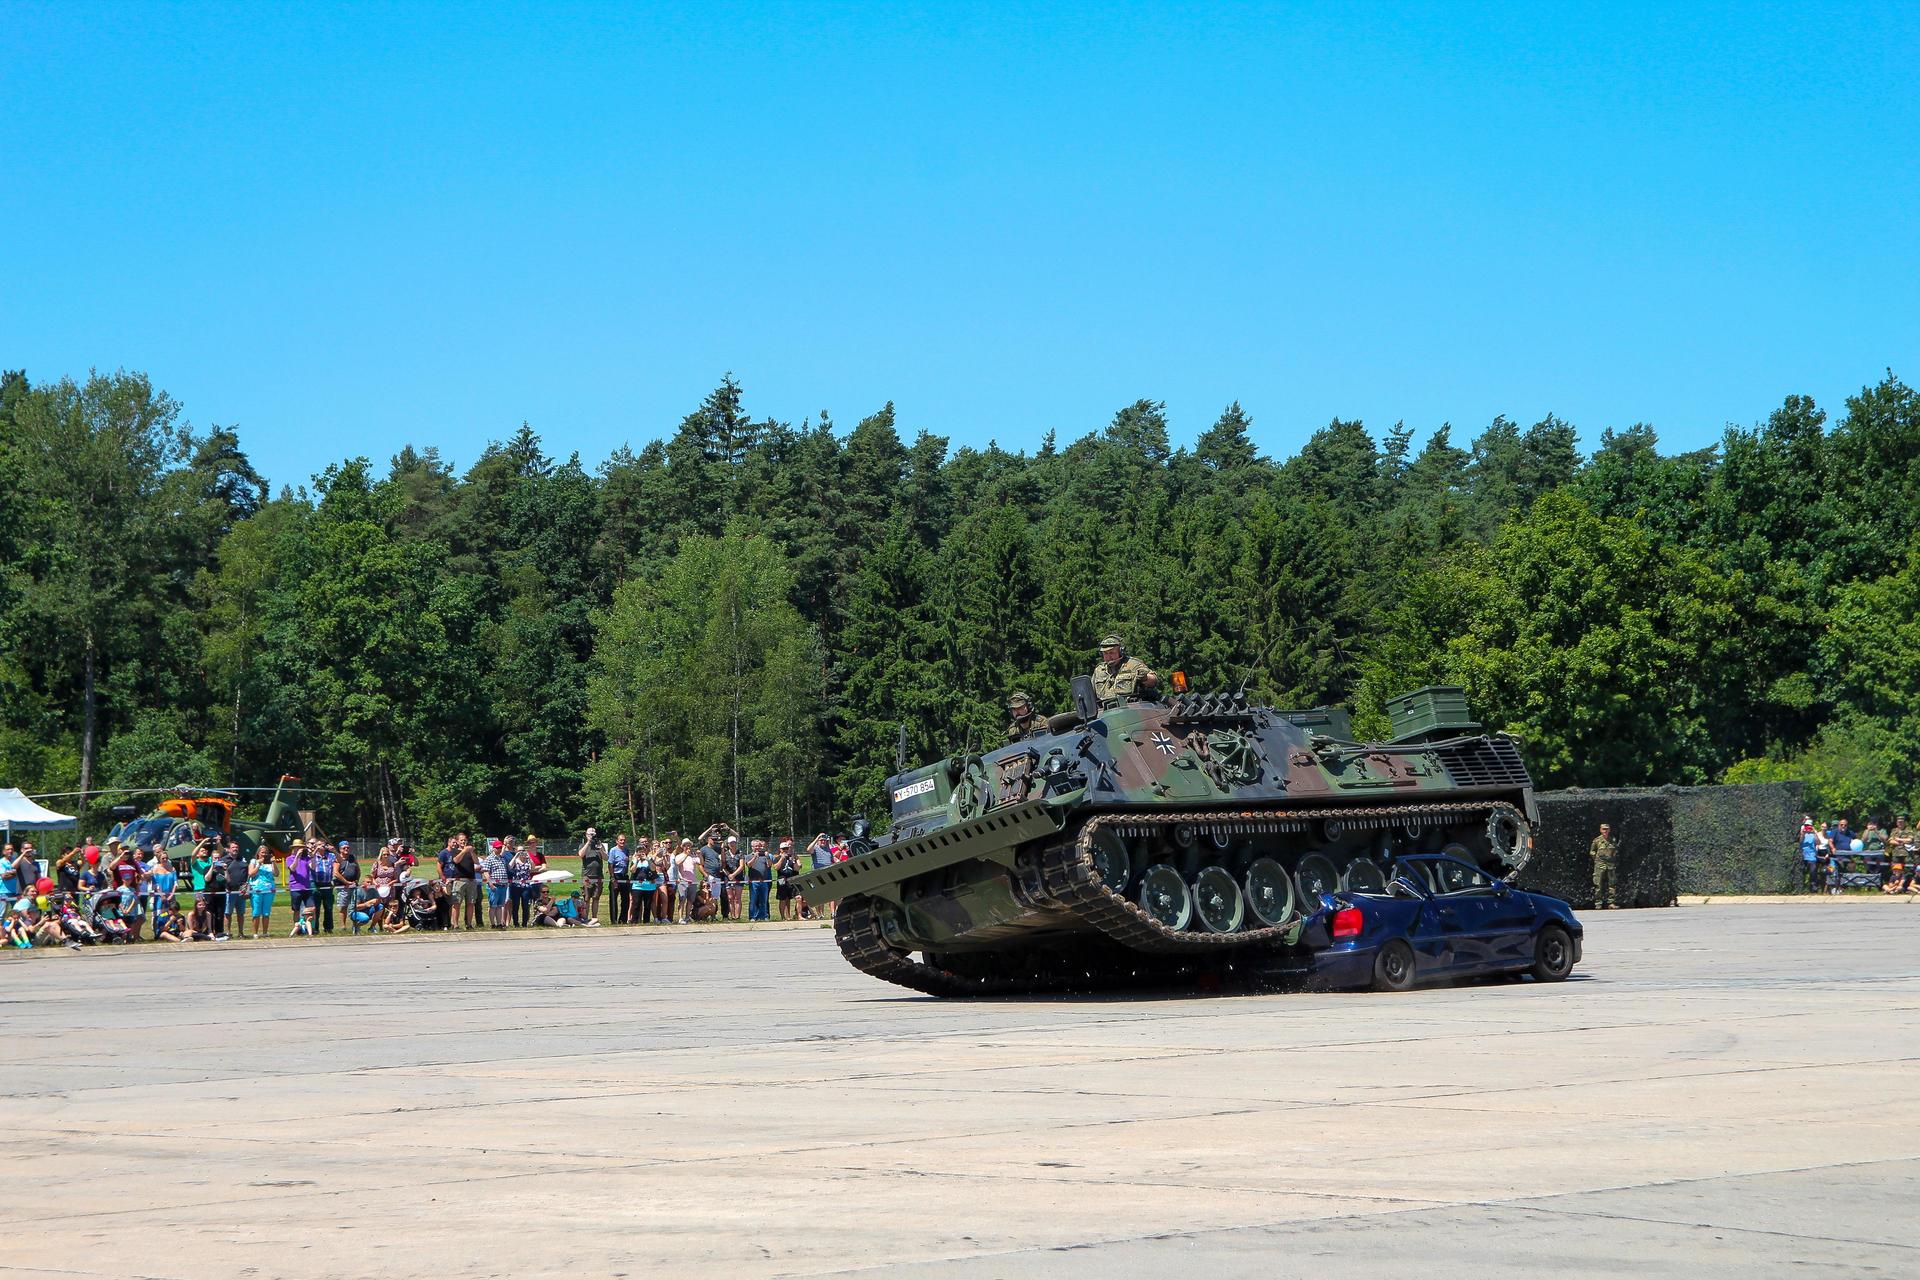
(1717, 1093)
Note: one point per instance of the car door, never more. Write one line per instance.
(1467, 909)
(1432, 942)
(1510, 926)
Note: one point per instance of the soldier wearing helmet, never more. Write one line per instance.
(1118, 678)
(1027, 722)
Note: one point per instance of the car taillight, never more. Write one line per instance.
(1346, 923)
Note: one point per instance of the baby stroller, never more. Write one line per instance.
(420, 900)
(104, 914)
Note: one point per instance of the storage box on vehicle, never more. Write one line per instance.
(1438, 710)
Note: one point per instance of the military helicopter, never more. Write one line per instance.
(189, 813)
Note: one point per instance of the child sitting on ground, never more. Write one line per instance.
(200, 921)
(393, 918)
(303, 927)
(168, 926)
(19, 929)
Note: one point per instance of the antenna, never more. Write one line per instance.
(1255, 664)
(900, 750)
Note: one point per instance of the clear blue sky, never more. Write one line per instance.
(344, 230)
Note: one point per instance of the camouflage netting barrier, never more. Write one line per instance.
(1672, 840)
(1741, 839)
(1642, 824)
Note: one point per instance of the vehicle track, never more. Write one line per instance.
(1067, 881)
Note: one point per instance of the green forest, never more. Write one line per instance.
(734, 620)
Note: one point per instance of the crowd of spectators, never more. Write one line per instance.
(118, 893)
(1834, 857)
(674, 880)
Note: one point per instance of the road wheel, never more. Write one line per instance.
(1393, 967)
(1217, 901)
(1315, 875)
(1110, 861)
(1164, 896)
(1552, 954)
(1269, 893)
(1364, 876)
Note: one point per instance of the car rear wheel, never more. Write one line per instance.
(1393, 967)
(1552, 954)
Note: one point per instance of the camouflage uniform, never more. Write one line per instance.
(1028, 726)
(1900, 842)
(1024, 726)
(1605, 881)
(1873, 843)
(1119, 683)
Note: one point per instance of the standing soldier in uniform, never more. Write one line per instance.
(1026, 721)
(1900, 843)
(1604, 853)
(1118, 678)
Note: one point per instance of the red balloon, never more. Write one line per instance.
(43, 885)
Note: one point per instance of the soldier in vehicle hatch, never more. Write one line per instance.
(1118, 678)
(1026, 721)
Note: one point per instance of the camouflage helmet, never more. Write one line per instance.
(1113, 641)
(1019, 698)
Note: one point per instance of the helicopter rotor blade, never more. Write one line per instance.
(182, 788)
(110, 791)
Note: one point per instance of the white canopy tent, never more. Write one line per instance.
(18, 811)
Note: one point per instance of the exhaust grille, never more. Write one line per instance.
(1485, 762)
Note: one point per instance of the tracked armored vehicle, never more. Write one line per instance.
(1154, 840)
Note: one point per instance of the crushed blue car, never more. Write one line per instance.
(1438, 919)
